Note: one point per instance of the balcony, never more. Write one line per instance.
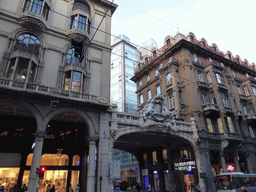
(202, 85)
(210, 108)
(77, 33)
(239, 113)
(51, 91)
(250, 117)
(33, 21)
(228, 110)
(242, 97)
(222, 86)
(234, 140)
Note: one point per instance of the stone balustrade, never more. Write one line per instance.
(50, 91)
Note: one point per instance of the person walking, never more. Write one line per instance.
(138, 187)
(52, 189)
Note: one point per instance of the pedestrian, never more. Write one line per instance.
(77, 188)
(149, 187)
(52, 189)
(70, 188)
(138, 187)
(48, 189)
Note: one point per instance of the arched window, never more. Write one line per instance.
(71, 59)
(23, 68)
(168, 42)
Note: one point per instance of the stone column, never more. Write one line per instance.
(171, 169)
(250, 161)
(223, 162)
(39, 140)
(236, 162)
(91, 166)
(204, 165)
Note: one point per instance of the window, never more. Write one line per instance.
(214, 101)
(239, 90)
(20, 68)
(78, 21)
(158, 90)
(195, 58)
(204, 98)
(154, 158)
(209, 125)
(214, 48)
(156, 71)
(177, 76)
(224, 98)
(171, 101)
(251, 132)
(251, 107)
(246, 90)
(209, 77)
(254, 90)
(168, 78)
(200, 76)
(154, 53)
(181, 99)
(245, 110)
(148, 77)
(203, 43)
(146, 59)
(191, 38)
(230, 125)
(74, 81)
(149, 95)
(221, 130)
(36, 6)
(219, 78)
(168, 41)
(71, 59)
(141, 99)
(140, 83)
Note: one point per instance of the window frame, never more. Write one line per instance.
(168, 78)
(171, 100)
(225, 100)
(141, 99)
(219, 78)
(149, 95)
(209, 78)
(158, 89)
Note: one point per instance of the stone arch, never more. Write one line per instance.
(87, 118)
(34, 110)
(167, 38)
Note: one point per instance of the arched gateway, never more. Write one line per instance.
(169, 152)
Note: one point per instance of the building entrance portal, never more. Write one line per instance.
(166, 162)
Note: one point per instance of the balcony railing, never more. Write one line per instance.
(231, 136)
(251, 117)
(210, 107)
(46, 90)
(202, 84)
(243, 97)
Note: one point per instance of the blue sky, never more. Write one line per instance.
(228, 23)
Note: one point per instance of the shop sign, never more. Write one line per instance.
(144, 172)
(231, 167)
(182, 166)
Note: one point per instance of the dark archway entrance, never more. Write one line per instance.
(166, 162)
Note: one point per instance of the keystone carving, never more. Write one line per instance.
(156, 110)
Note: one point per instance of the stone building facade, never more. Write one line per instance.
(54, 108)
(218, 90)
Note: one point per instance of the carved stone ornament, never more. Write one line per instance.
(103, 100)
(156, 110)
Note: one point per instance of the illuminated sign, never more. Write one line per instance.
(231, 167)
(182, 166)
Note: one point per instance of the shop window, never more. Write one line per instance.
(230, 124)
(209, 125)
(220, 126)
(169, 78)
(76, 160)
(9, 178)
(209, 78)
(154, 158)
(37, 6)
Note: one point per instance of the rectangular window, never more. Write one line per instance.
(245, 110)
(214, 101)
(204, 98)
(89, 27)
(154, 158)
(156, 71)
(82, 22)
(140, 83)
(200, 76)
(26, 5)
(230, 125)
(46, 11)
(251, 132)
(181, 99)
(239, 90)
(141, 99)
(209, 125)
(219, 78)
(246, 90)
(158, 90)
(74, 21)
(224, 98)
(148, 78)
(149, 95)
(251, 107)
(37, 6)
(177, 76)
(165, 157)
(171, 101)
(254, 90)
(209, 77)
(169, 78)
(221, 130)
(195, 58)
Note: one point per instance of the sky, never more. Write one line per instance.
(230, 24)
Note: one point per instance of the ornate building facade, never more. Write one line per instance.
(55, 107)
(218, 90)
